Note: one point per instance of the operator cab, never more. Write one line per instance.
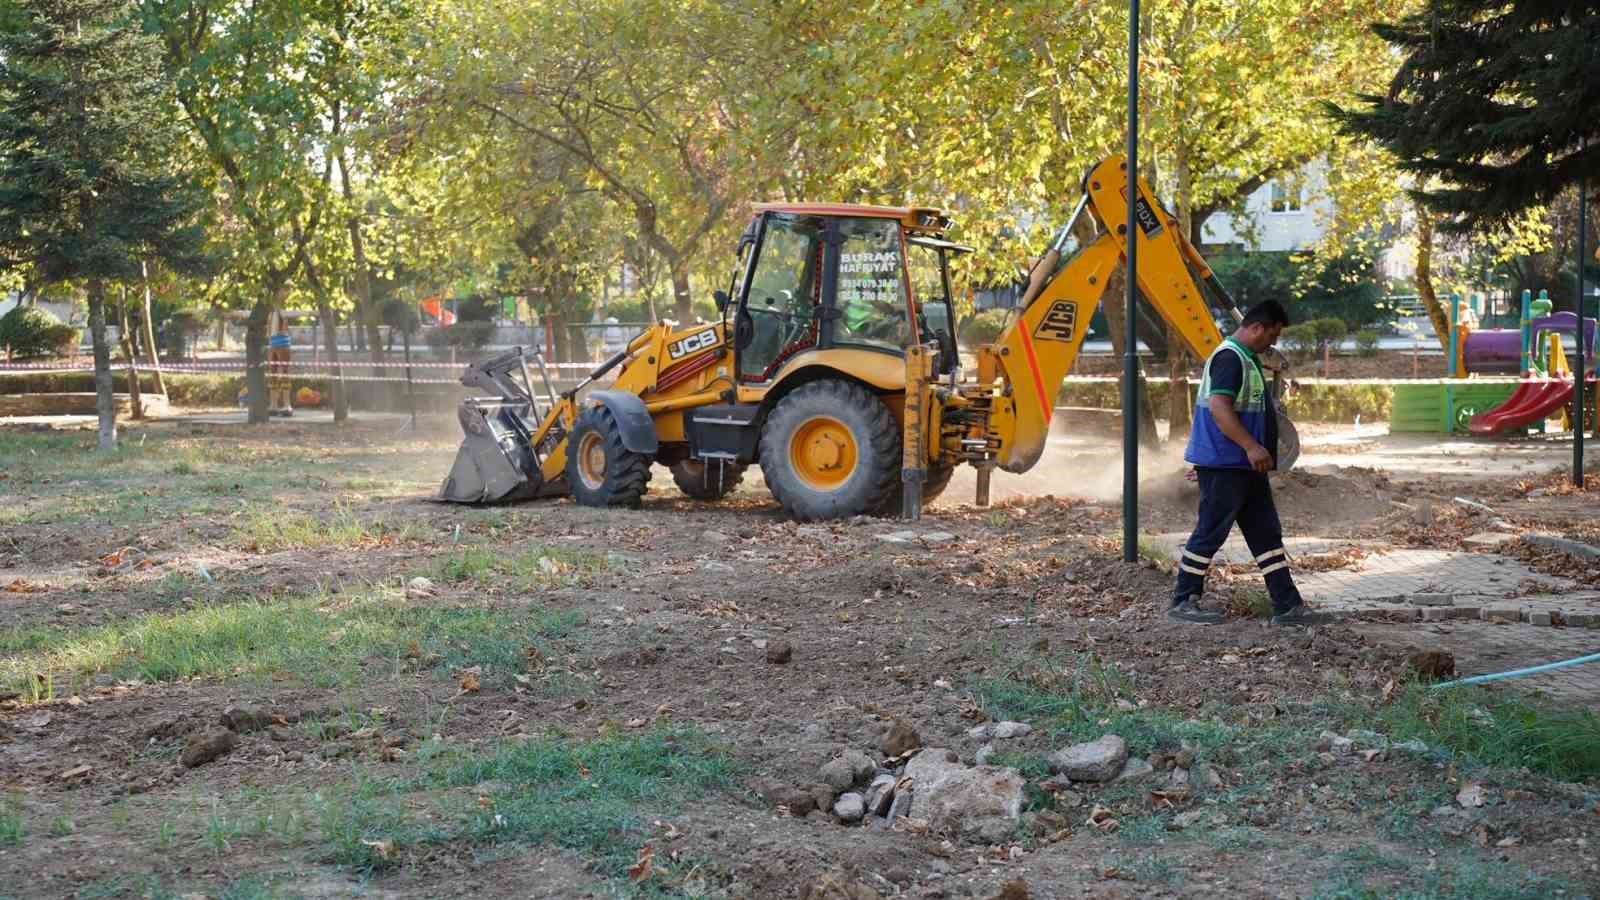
(818, 277)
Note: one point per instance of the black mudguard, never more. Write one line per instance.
(633, 420)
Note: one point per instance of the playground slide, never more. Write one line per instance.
(435, 307)
(1533, 401)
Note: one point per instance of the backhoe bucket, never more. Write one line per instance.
(1288, 442)
(1288, 435)
(494, 463)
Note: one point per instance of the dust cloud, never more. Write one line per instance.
(1086, 469)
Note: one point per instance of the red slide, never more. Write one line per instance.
(1533, 401)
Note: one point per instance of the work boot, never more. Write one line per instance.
(1191, 612)
(1300, 615)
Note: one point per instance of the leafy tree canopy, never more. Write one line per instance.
(1492, 107)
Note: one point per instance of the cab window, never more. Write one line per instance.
(871, 296)
(930, 293)
(784, 290)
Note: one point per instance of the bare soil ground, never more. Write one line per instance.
(577, 702)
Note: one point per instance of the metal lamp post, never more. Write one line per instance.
(1130, 359)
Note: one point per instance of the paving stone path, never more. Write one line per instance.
(1401, 584)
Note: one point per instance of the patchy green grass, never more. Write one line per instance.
(1493, 728)
(1074, 698)
(1143, 831)
(325, 641)
(13, 828)
(156, 475)
(588, 797)
(151, 886)
(530, 567)
(1462, 877)
(1154, 550)
(267, 531)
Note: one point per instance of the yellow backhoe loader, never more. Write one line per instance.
(834, 367)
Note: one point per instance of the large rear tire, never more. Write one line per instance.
(702, 480)
(601, 471)
(830, 450)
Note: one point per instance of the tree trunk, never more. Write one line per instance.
(1430, 300)
(1115, 299)
(336, 386)
(365, 310)
(682, 304)
(105, 402)
(555, 324)
(135, 401)
(150, 333)
(255, 358)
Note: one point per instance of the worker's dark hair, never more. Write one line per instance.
(1267, 312)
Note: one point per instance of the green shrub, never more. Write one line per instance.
(1366, 342)
(983, 328)
(31, 331)
(464, 335)
(1310, 338)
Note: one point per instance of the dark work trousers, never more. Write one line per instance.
(1243, 496)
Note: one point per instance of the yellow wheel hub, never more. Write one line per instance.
(592, 461)
(823, 453)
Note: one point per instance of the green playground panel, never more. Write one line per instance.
(1421, 407)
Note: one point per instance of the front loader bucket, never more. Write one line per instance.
(494, 463)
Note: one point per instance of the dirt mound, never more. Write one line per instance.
(1326, 498)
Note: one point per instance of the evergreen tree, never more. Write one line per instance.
(87, 142)
(1492, 107)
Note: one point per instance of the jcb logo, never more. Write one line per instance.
(694, 343)
(1059, 323)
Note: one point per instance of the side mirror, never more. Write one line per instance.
(744, 329)
(721, 298)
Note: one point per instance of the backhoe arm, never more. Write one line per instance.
(1036, 351)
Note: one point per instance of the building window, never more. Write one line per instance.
(1285, 197)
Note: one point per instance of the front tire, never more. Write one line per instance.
(702, 480)
(830, 450)
(601, 471)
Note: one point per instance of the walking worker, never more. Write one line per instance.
(1233, 445)
(279, 348)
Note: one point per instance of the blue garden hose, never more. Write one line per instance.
(1514, 673)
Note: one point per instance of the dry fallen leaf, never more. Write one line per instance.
(75, 772)
(469, 681)
(1389, 690)
(637, 723)
(1101, 818)
(1472, 795)
(24, 586)
(383, 849)
(641, 868)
